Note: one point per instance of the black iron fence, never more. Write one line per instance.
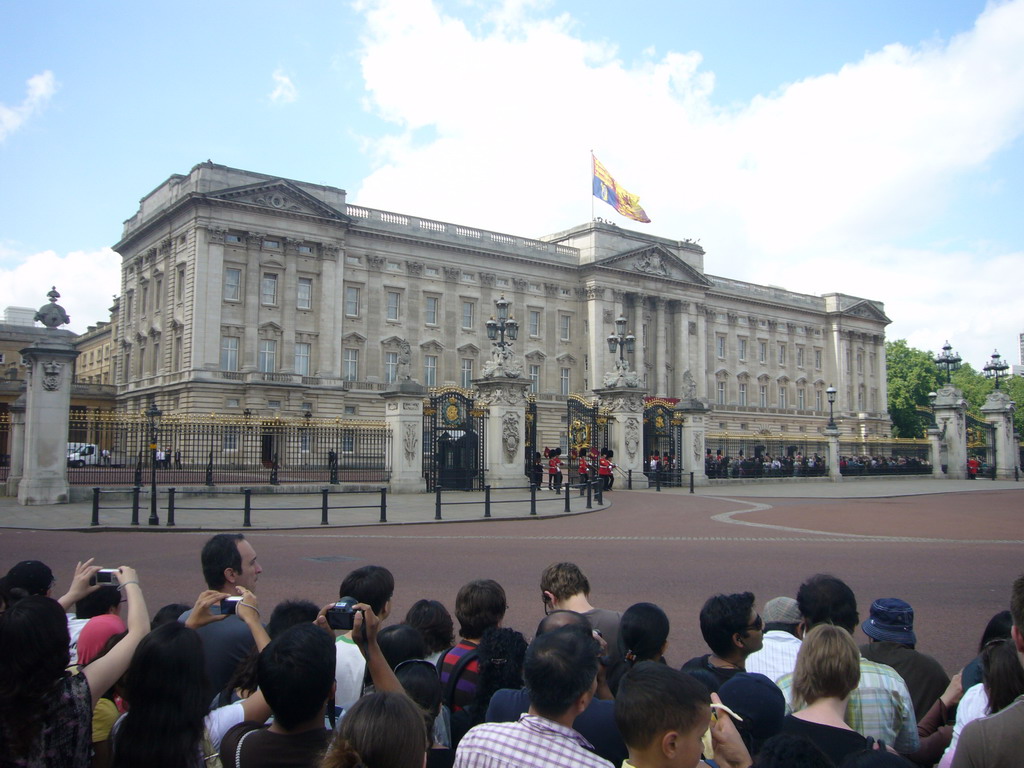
(734, 457)
(884, 457)
(126, 450)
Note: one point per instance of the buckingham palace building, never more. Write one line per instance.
(243, 292)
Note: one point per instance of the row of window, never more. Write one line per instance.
(268, 289)
(266, 362)
(762, 352)
(432, 312)
(157, 295)
(782, 397)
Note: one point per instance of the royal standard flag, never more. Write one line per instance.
(622, 201)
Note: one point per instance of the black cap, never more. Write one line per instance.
(34, 577)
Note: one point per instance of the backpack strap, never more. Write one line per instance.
(460, 666)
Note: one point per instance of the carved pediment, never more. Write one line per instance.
(867, 310)
(566, 359)
(353, 339)
(722, 373)
(657, 262)
(432, 346)
(270, 328)
(536, 356)
(469, 349)
(279, 195)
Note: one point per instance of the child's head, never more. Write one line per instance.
(662, 714)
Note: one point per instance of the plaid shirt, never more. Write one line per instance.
(530, 742)
(880, 706)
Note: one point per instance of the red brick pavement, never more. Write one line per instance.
(956, 568)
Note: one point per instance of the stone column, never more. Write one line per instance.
(504, 441)
(832, 436)
(51, 365)
(661, 356)
(691, 453)
(998, 410)
(403, 413)
(950, 409)
(935, 451)
(626, 410)
(17, 445)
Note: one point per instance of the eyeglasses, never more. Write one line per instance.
(757, 626)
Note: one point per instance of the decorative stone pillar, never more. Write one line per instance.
(403, 413)
(691, 453)
(625, 407)
(935, 451)
(505, 398)
(17, 445)
(998, 410)
(834, 471)
(50, 366)
(950, 409)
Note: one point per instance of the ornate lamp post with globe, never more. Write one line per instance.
(948, 361)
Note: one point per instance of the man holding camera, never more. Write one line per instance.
(228, 561)
(371, 585)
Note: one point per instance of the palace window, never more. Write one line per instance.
(468, 313)
(565, 381)
(742, 349)
(430, 310)
(304, 297)
(351, 301)
(720, 346)
(535, 322)
(267, 359)
(229, 353)
(430, 370)
(302, 352)
(268, 289)
(350, 364)
(534, 378)
(394, 302)
(466, 377)
(390, 367)
(743, 393)
(564, 326)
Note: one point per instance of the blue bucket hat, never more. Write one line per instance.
(891, 619)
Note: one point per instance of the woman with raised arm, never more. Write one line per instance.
(169, 723)
(47, 720)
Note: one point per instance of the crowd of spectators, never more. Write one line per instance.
(90, 679)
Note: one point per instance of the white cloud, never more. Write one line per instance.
(284, 91)
(86, 280)
(807, 187)
(39, 89)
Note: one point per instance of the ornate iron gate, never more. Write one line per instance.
(453, 441)
(588, 429)
(531, 435)
(663, 435)
(981, 443)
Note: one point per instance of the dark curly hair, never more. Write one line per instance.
(434, 622)
(34, 653)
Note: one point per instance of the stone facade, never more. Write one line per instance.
(247, 291)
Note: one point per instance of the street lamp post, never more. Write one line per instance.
(830, 393)
(498, 330)
(996, 368)
(949, 361)
(153, 415)
(620, 342)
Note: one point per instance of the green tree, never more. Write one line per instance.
(1014, 387)
(912, 374)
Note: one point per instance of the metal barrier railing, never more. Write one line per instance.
(592, 491)
(173, 505)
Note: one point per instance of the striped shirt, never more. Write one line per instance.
(465, 686)
(530, 742)
(777, 656)
(880, 706)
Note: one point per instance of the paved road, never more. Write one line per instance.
(953, 554)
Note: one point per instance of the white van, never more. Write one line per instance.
(80, 454)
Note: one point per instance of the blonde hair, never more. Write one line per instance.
(828, 666)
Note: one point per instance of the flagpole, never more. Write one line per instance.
(591, 185)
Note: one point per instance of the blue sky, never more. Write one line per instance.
(867, 147)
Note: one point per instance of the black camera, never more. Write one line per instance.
(342, 614)
(105, 576)
(228, 604)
